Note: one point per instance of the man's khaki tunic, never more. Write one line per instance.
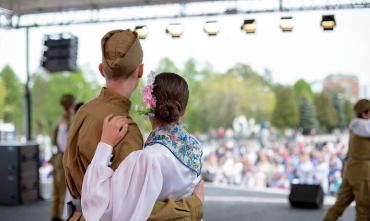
(356, 181)
(84, 135)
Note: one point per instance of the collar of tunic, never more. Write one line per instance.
(115, 99)
(182, 145)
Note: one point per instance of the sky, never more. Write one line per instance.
(308, 52)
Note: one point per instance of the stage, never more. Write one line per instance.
(223, 203)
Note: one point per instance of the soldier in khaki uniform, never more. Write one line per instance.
(356, 176)
(122, 68)
(59, 139)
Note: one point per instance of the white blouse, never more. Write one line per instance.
(130, 192)
(62, 135)
(361, 127)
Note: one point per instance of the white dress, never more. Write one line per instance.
(130, 192)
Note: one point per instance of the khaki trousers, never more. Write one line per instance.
(349, 191)
(59, 186)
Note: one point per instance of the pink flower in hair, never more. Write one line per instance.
(149, 98)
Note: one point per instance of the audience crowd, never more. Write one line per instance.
(267, 160)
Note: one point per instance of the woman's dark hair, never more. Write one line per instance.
(172, 93)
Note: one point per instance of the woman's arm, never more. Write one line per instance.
(96, 191)
(136, 185)
(96, 188)
(129, 192)
(360, 127)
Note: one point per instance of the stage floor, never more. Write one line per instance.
(237, 204)
(223, 203)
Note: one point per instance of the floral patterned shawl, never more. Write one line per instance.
(183, 146)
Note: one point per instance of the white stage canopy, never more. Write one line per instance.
(21, 7)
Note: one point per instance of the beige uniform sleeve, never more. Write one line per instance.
(132, 141)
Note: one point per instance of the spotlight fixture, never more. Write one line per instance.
(249, 26)
(175, 30)
(212, 28)
(286, 24)
(142, 31)
(328, 22)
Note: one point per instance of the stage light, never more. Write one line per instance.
(249, 26)
(328, 22)
(286, 24)
(212, 28)
(175, 30)
(142, 31)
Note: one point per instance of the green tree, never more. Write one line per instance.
(307, 116)
(326, 112)
(233, 94)
(13, 111)
(2, 99)
(167, 65)
(216, 99)
(349, 114)
(338, 101)
(197, 81)
(301, 87)
(285, 113)
(245, 72)
(258, 99)
(46, 92)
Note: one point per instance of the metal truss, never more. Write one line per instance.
(10, 20)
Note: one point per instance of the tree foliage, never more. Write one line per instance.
(302, 88)
(216, 99)
(307, 111)
(326, 112)
(285, 113)
(2, 98)
(46, 92)
(349, 114)
(307, 115)
(13, 107)
(338, 101)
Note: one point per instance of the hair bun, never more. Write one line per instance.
(171, 93)
(168, 111)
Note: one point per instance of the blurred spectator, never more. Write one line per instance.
(277, 161)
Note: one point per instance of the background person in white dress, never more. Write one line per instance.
(168, 167)
(59, 139)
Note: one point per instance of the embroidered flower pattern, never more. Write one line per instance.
(183, 146)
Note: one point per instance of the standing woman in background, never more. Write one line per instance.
(59, 140)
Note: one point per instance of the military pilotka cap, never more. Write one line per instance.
(362, 106)
(121, 53)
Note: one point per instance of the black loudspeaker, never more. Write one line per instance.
(19, 177)
(60, 53)
(306, 196)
